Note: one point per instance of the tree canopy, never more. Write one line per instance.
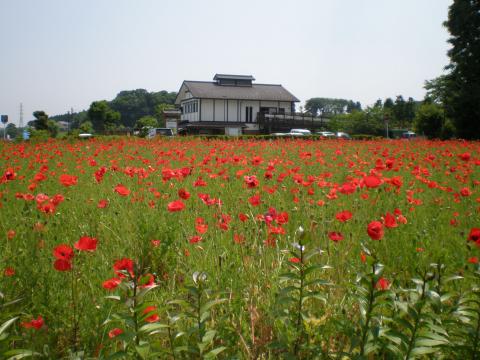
(331, 106)
(460, 88)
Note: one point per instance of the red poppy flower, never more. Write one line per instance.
(343, 215)
(155, 243)
(152, 315)
(146, 281)
(62, 265)
(124, 264)
(63, 252)
(473, 260)
(33, 324)
(9, 271)
(335, 236)
(47, 208)
(111, 284)
(114, 333)
(195, 239)
(294, 260)
(242, 217)
(68, 180)
(465, 192)
(375, 230)
(254, 200)
(390, 221)
(57, 199)
(122, 190)
(102, 204)
(176, 205)
(474, 235)
(382, 284)
(372, 181)
(184, 194)
(86, 243)
(201, 228)
(10, 234)
(363, 257)
(251, 181)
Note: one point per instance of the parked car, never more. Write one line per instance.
(342, 135)
(327, 134)
(295, 132)
(409, 135)
(159, 131)
(299, 132)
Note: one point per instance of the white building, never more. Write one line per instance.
(230, 104)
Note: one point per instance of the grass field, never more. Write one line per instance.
(180, 249)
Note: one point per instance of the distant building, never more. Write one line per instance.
(230, 104)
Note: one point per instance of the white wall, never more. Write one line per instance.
(191, 116)
(219, 110)
(207, 110)
(232, 111)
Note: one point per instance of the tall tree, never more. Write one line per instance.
(399, 110)
(102, 116)
(41, 120)
(464, 79)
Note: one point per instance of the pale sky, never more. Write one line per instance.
(59, 54)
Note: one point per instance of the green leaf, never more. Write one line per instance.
(7, 324)
(19, 354)
(209, 304)
(213, 353)
(153, 327)
(208, 337)
(421, 351)
(143, 350)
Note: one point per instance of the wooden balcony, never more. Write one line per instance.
(270, 123)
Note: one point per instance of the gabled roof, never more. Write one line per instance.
(264, 92)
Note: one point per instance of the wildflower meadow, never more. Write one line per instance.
(189, 248)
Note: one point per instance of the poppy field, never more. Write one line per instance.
(126, 248)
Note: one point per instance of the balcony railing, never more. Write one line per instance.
(285, 121)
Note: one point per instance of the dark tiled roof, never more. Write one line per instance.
(233, 77)
(265, 92)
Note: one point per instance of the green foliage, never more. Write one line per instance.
(102, 116)
(134, 104)
(12, 131)
(331, 106)
(299, 287)
(159, 112)
(197, 311)
(370, 336)
(144, 123)
(467, 316)
(86, 127)
(463, 81)
(429, 120)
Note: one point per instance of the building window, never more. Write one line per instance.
(249, 114)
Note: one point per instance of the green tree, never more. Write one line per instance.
(463, 81)
(102, 116)
(145, 123)
(86, 127)
(11, 130)
(134, 104)
(429, 120)
(331, 106)
(41, 120)
(399, 111)
(159, 112)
